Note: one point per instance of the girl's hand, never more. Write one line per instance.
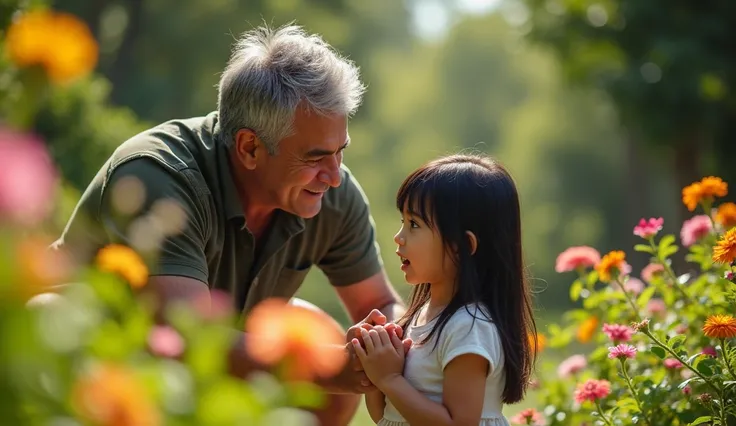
(383, 356)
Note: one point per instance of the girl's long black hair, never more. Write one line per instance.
(474, 193)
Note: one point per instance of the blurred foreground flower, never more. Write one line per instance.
(111, 395)
(571, 366)
(59, 42)
(165, 341)
(124, 261)
(538, 341)
(39, 268)
(27, 178)
(720, 327)
(578, 257)
(302, 341)
(703, 192)
(651, 270)
(530, 416)
(725, 250)
(694, 229)
(726, 215)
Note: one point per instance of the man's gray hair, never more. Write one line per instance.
(270, 72)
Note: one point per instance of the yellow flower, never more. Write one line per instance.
(726, 215)
(59, 42)
(707, 189)
(725, 250)
(720, 327)
(111, 395)
(123, 260)
(611, 263)
(587, 329)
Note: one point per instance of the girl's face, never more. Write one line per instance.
(422, 253)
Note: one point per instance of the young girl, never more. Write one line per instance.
(470, 313)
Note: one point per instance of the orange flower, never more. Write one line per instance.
(39, 267)
(541, 341)
(726, 215)
(587, 329)
(708, 188)
(306, 342)
(111, 395)
(725, 250)
(123, 260)
(720, 327)
(612, 263)
(60, 42)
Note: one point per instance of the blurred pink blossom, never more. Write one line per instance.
(529, 416)
(617, 332)
(687, 390)
(648, 228)
(694, 229)
(577, 257)
(622, 351)
(27, 178)
(651, 270)
(656, 306)
(215, 306)
(672, 363)
(571, 366)
(710, 351)
(633, 285)
(592, 390)
(681, 329)
(165, 341)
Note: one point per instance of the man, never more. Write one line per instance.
(262, 193)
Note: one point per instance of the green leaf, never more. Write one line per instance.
(592, 279)
(644, 248)
(669, 251)
(704, 369)
(700, 420)
(305, 395)
(676, 340)
(575, 290)
(656, 350)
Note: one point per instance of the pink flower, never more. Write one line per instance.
(571, 366)
(672, 363)
(681, 329)
(694, 229)
(621, 351)
(687, 390)
(656, 306)
(710, 351)
(729, 275)
(618, 333)
(648, 228)
(651, 270)
(592, 390)
(165, 341)
(27, 178)
(577, 257)
(530, 416)
(633, 285)
(214, 306)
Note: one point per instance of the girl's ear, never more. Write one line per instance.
(473, 242)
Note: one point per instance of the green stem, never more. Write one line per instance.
(671, 274)
(600, 411)
(682, 361)
(633, 392)
(631, 302)
(724, 420)
(726, 360)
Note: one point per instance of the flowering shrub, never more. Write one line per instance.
(665, 348)
(79, 341)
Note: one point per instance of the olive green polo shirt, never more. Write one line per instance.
(185, 161)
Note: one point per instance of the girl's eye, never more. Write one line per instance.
(413, 224)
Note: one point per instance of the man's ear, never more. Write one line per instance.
(247, 148)
(473, 240)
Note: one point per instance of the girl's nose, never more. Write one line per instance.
(398, 239)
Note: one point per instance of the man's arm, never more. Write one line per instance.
(374, 292)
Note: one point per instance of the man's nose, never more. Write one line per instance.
(330, 174)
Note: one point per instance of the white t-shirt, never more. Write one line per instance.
(468, 331)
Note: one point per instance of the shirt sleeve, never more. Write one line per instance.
(354, 254)
(99, 220)
(464, 334)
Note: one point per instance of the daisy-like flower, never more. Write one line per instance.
(648, 228)
(622, 351)
(530, 416)
(571, 366)
(618, 333)
(725, 250)
(592, 390)
(577, 257)
(705, 190)
(611, 265)
(694, 229)
(720, 326)
(726, 215)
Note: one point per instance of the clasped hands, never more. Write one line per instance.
(378, 352)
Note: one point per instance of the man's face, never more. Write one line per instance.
(307, 163)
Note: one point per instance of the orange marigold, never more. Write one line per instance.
(60, 42)
(726, 215)
(725, 250)
(720, 326)
(113, 395)
(541, 341)
(708, 188)
(610, 264)
(587, 329)
(123, 260)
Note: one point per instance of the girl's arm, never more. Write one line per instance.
(375, 402)
(463, 390)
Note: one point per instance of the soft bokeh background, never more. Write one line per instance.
(602, 110)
